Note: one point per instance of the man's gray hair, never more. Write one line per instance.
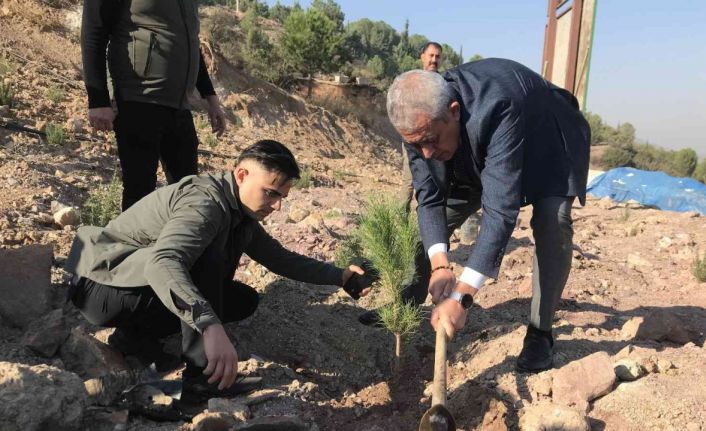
(416, 94)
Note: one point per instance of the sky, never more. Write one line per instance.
(648, 64)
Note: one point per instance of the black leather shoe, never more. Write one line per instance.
(371, 318)
(537, 351)
(195, 386)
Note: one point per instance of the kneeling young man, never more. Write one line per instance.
(167, 263)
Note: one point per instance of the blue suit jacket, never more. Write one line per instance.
(522, 138)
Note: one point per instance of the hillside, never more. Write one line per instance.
(631, 295)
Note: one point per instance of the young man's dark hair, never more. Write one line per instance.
(434, 44)
(273, 156)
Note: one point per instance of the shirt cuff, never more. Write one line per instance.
(472, 277)
(437, 248)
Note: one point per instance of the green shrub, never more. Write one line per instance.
(616, 157)
(210, 140)
(6, 67)
(7, 94)
(55, 94)
(56, 135)
(305, 180)
(699, 268)
(684, 163)
(699, 173)
(201, 122)
(103, 204)
(650, 158)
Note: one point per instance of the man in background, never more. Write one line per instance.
(152, 50)
(430, 58)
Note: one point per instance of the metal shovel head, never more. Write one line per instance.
(437, 418)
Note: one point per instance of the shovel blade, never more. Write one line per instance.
(437, 418)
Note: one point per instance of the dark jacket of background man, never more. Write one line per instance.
(153, 54)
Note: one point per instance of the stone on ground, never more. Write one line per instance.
(40, 397)
(46, 335)
(553, 417)
(579, 382)
(25, 281)
(89, 358)
(628, 370)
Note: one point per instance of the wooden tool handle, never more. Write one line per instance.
(438, 394)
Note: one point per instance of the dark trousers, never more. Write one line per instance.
(553, 236)
(147, 134)
(139, 311)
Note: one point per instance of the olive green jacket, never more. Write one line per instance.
(152, 50)
(158, 239)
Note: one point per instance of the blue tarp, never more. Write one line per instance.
(651, 189)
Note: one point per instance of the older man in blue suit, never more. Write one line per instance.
(492, 134)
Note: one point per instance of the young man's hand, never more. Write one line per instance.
(221, 355)
(347, 274)
(216, 116)
(101, 118)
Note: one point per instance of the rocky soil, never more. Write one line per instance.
(630, 329)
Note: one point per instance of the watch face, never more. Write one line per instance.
(466, 301)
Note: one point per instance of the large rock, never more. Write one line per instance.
(579, 382)
(553, 417)
(90, 358)
(25, 281)
(41, 398)
(46, 335)
(667, 325)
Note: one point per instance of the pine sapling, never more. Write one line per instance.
(388, 236)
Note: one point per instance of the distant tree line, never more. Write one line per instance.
(623, 150)
(317, 40)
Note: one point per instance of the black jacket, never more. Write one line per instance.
(152, 50)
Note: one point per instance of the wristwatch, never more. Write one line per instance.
(465, 299)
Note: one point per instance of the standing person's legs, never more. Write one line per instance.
(139, 130)
(407, 188)
(553, 236)
(179, 147)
